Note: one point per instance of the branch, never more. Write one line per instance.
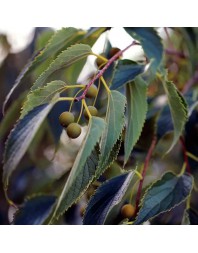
(101, 72)
(176, 53)
(147, 160)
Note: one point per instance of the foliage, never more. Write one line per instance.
(139, 147)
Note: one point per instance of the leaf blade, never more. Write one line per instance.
(151, 43)
(115, 124)
(35, 210)
(125, 72)
(42, 95)
(163, 195)
(106, 197)
(20, 138)
(83, 169)
(136, 94)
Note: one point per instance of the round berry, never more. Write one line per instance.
(113, 51)
(92, 91)
(66, 118)
(127, 211)
(74, 130)
(93, 111)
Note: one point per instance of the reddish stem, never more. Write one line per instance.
(190, 82)
(147, 160)
(176, 53)
(182, 141)
(101, 72)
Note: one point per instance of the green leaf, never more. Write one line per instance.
(163, 195)
(20, 139)
(83, 169)
(108, 195)
(151, 43)
(136, 93)
(61, 39)
(63, 60)
(115, 123)
(42, 95)
(35, 210)
(178, 109)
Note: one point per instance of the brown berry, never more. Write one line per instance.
(73, 130)
(92, 91)
(93, 111)
(127, 211)
(113, 51)
(66, 118)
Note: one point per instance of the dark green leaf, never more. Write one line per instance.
(20, 138)
(125, 72)
(106, 197)
(163, 195)
(136, 93)
(178, 109)
(151, 43)
(83, 170)
(35, 210)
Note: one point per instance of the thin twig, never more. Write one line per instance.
(101, 72)
(190, 82)
(147, 160)
(185, 154)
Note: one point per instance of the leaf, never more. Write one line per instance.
(35, 210)
(62, 38)
(151, 43)
(115, 124)
(83, 169)
(106, 197)
(20, 139)
(136, 94)
(125, 72)
(185, 219)
(163, 195)
(178, 109)
(42, 95)
(63, 60)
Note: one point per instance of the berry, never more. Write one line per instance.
(73, 130)
(100, 62)
(66, 118)
(92, 91)
(113, 51)
(93, 111)
(127, 211)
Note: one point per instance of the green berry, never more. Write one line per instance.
(92, 91)
(113, 51)
(93, 111)
(66, 118)
(73, 130)
(100, 62)
(128, 211)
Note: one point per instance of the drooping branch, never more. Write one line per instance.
(146, 164)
